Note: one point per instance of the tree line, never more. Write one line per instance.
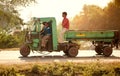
(92, 17)
(96, 18)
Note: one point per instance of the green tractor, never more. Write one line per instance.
(103, 40)
(33, 40)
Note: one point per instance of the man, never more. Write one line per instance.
(65, 27)
(46, 32)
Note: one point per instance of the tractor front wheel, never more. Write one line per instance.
(25, 50)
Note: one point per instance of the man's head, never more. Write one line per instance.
(64, 14)
(45, 24)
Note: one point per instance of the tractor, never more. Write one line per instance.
(103, 40)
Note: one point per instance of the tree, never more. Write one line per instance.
(96, 18)
(117, 2)
(112, 13)
(9, 16)
(90, 18)
(16, 2)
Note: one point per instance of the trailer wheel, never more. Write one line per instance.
(107, 51)
(72, 52)
(98, 50)
(25, 50)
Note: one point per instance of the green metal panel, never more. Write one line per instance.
(34, 32)
(35, 43)
(37, 25)
(36, 40)
(98, 35)
(54, 30)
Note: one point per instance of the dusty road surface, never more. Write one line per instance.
(14, 57)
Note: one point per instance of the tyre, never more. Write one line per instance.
(73, 52)
(98, 50)
(107, 51)
(25, 50)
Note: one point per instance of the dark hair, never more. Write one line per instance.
(44, 23)
(64, 13)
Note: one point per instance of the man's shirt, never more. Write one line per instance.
(47, 31)
(65, 23)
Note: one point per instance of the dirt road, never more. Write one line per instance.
(14, 57)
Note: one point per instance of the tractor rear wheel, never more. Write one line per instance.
(25, 50)
(72, 52)
(107, 51)
(98, 50)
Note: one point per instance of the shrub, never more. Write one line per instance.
(62, 69)
(7, 72)
(11, 41)
(7, 41)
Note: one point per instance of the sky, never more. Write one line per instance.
(54, 8)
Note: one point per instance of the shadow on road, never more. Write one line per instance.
(65, 58)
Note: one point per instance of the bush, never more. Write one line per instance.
(11, 41)
(7, 41)
(62, 69)
(7, 72)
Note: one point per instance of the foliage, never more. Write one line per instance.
(90, 18)
(20, 38)
(7, 41)
(21, 2)
(9, 16)
(96, 18)
(9, 20)
(17, 2)
(117, 2)
(11, 41)
(7, 72)
(113, 18)
(62, 69)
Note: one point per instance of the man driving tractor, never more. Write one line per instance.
(46, 33)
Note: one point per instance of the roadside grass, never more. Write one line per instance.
(61, 69)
